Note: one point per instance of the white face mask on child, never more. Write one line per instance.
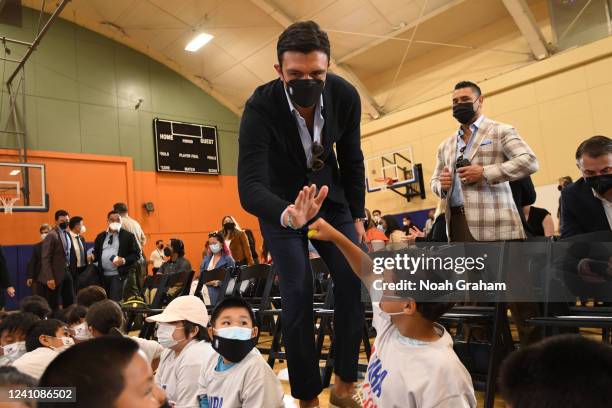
(164, 333)
(81, 332)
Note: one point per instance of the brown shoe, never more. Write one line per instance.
(350, 401)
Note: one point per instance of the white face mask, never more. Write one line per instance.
(14, 350)
(83, 229)
(43, 236)
(81, 332)
(380, 227)
(114, 226)
(66, 343)
(164, 335)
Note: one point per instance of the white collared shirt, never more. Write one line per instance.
(607, 205)
(307, 140)
(317, 127)
(76, 244)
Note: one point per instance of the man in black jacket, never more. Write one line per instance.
(5, 280)
(586, 205)
(287, 137)
(117, 253)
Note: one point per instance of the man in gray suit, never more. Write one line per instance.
(55, 261)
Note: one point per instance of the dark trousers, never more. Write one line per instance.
(114, 287)
(289, 250)
(63, 294)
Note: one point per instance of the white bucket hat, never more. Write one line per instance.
(189, 308)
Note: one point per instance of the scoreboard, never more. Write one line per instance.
(185, 147)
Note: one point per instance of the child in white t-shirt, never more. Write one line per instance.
(413, 364)
(237, 375)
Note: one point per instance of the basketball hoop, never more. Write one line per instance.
(385, 182)
(7, 203)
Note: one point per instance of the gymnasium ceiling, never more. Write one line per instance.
(369, 37)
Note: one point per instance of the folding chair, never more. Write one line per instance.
(263, 275)
(161, 299)
(157, 284)
(222, 274)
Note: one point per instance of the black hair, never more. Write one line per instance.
(120, 208)
(202, 332)
(11, 377)
(104, 316)
(74, 221)
(60, 213)
(594, 147)
(90, 295)
(177, 247)
(407, 217)
(304, 37)
(40, 328)
(231, 302)
(567, 179)
(104, 361)
(158, 241)
(74, 313)
(19, 322)
(544, 375)
(392, 224)
(376, 211)
(37, 305)
(469, 84)
(111, 212)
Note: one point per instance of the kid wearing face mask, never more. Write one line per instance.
(13, 331)
(217, 255)
(407, 341)
(237, 375)
(181, 331)
(44, 341)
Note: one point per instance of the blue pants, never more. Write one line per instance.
(289, 250)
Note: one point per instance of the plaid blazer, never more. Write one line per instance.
(489, 208)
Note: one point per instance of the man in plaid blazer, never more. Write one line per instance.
(473, 169)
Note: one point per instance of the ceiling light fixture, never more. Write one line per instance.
(198, 42)
(14, 172)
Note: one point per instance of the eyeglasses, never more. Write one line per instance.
(317, 153)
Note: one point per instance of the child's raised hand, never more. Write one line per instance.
(321, 230)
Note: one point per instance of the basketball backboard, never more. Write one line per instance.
(390, 170)
(24, 185)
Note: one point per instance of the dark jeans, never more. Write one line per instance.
(289, 251)
(114, 287)
(124, 286)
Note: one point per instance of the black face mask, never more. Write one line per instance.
(601, 184)
(464, 112)
(305, 92)
(231, 349)
(167, 251)
(63, 225)
(229, 226)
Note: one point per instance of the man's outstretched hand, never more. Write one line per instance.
(306, 206)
